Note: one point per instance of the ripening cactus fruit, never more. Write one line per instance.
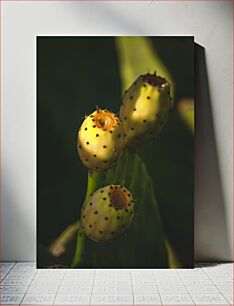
(144, 108)
(100, 140)
(107, 213)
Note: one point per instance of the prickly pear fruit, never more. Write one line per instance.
(107, 213)
(144, 108)
(100, 140)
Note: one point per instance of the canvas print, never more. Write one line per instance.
(115, 152)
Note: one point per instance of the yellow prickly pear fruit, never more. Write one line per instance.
(101, 140)
(144, 108)
(108, 213)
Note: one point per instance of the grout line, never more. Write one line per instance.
(28, 288)
(58, 288)
(92, 287)
(216, 285)
(133, 301)
(157, 287)
(1, 293)
(186, 285)
(14, 263)
(222, 293)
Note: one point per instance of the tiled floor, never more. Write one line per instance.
(207, 284)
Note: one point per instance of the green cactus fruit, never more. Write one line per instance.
(144, 108)
(108, 213)
(101, 140)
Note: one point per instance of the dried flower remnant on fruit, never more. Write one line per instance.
(97, 147)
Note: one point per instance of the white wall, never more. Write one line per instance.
(211, 24)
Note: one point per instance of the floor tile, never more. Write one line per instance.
(22, 270)
(19, 276)
(13, 289)
(172, 289)
(229, 297)
(197, 282)
(114, 272)
(225, 289)
(11, 299)
(169, 282)
(147, 275)
(45, 282)
(111, 299)
(7, 264)
(74, 277)
(49, 277)
(75, 289)
(112, 282)
(38, 299)
(112, 289)
(222, 276)
(112, 275)
(223, 282)
(26, 264)
(173, 277)
(4, 270)
(143, 282)
(202, 289)
(145, 289)
(72, 299)
(43, 289)
(77, 282)
(3, 275)
(176, 299)
(209, 299)
(16, 282)
(147, 299)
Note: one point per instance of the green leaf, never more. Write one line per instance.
(137, 56)
(169, 159)
(143, 244)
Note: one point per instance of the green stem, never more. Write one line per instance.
(95, 180)
(80, 245)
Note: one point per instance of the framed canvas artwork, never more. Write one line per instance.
(115, 152)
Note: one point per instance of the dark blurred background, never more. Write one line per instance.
(74, 74)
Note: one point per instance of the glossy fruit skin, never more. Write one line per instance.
(144, 109)
(100, 140)
(104, 217)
